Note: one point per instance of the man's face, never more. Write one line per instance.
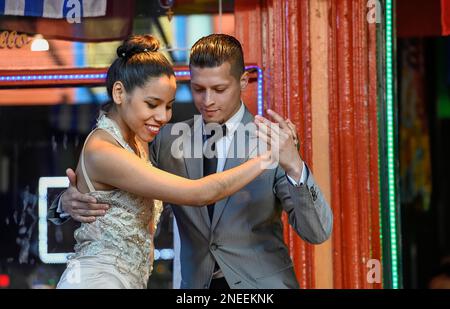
(216, 92)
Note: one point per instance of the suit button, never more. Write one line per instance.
(214, 247)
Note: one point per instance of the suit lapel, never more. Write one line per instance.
(192, 147)
(193, 158)
(232, 161)
(220, 205)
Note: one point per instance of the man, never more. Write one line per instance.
(238, 242)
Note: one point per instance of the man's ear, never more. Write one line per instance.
(118, 92)
(244, 80)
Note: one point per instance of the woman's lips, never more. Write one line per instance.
(153, 129)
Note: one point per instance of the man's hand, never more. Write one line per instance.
(286, 132)
(81, 207)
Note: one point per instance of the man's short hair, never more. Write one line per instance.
(215, 49)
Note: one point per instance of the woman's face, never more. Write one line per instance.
(149, 107)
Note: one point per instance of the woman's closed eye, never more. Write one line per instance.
(151, 105)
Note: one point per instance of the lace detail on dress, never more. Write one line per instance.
(126, 231)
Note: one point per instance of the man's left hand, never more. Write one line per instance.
(289, 157)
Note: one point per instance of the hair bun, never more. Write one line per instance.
(136, 44)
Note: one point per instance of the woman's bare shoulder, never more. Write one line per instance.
(98, 146)
(96, 155)
(99, 138)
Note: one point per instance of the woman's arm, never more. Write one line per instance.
(111, 165)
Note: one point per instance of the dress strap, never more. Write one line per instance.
(83, 167)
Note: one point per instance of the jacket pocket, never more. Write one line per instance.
(282, 279)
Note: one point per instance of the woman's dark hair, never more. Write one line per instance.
(138, 61)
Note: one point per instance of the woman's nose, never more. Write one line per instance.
(162, 115)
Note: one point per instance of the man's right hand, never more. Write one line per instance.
(81, 207)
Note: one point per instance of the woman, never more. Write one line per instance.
(116, 251)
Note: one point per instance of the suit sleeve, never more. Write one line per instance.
(53, 215)
(308, 211)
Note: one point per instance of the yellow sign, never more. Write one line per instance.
(13, 39)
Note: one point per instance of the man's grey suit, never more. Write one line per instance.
(245, 236)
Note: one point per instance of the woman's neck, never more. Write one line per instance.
(128, 135)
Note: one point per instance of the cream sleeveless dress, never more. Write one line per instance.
(115, 251)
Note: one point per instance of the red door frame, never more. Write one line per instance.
(275, 35)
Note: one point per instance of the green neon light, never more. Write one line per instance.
(390, 144)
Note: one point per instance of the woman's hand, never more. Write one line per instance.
(282, 137)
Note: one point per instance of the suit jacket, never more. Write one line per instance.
(245, 236)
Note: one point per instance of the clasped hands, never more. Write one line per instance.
(284, 132)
